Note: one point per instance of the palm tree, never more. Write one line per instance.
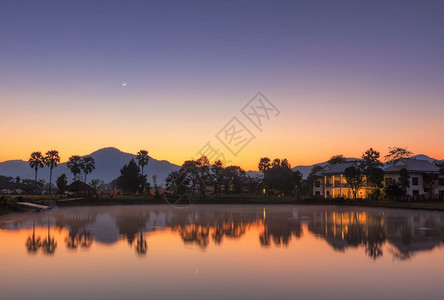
(88, 165)
(142, 159)
(52, 158)
(35, 162)
(75, 164)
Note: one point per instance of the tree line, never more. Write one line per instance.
(203, 177)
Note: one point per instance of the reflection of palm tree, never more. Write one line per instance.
(72, 241)
(141, 246)
(75, 239)
(32, 243)
(85, 239)
(49, 244)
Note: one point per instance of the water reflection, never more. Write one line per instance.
(33, 243)
(49, 244)
(405, 232)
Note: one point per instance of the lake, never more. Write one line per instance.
(221, 251)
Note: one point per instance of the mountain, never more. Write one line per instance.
(109, 161)
(424, 157)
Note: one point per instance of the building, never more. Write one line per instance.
(80, 188)
(331, 183)
(425, 179)
(15, 188)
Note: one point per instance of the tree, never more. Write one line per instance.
(217, 171)
(337, 159)
(36, 161)
(235, 179)
(264, 164)
(285, 164)
(440, 165)
(354, 179)
(203, 168)
(370, 159)
(88, 165)
(52, 158)
(429, 180)
(61, 182)
(142, 159)
(404, 180)
(276, 162)
(397, 153)
(375, 178)
(279, 177)
(311, 179)
(130, 179)
(156, 188)
(393, 191)
(75, 165)
(298, 180)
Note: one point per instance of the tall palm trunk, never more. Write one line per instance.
(50, 180)
(35, 181)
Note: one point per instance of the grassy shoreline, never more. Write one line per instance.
(7, 204)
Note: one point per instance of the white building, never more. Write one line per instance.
(331, 182)
(425, 179)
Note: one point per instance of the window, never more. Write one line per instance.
(414, 180)
(317, 193)
(317, 183)
(441, 182)
(415, 192)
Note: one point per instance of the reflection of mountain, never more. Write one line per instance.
(405, 232)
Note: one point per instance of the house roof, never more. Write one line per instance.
(335, 169)
(79, 186)
(412, 165)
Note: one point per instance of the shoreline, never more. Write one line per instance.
(239, 200)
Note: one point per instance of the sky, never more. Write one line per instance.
(343, 76)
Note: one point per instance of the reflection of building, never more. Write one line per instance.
(331, 182)
(425, 179)
(407, 232)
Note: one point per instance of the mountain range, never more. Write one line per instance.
(110, 160)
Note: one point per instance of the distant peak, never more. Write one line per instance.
(109, 149)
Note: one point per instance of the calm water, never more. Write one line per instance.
(216, 252)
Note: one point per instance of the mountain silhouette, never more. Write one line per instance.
(109, 161)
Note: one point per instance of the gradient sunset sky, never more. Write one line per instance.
(345, 75)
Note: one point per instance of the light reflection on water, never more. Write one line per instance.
(222, 251)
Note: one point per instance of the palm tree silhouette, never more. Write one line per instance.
(88, 165)
(35, 162)
(75, 165)
(52, 158)
(142, 159)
